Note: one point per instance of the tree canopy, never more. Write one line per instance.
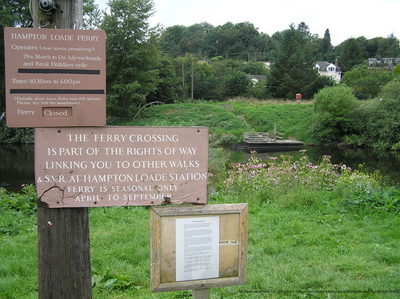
(213, 62)
(293, 69)
(132, 54)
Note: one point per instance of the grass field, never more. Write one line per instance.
(304, 252)
(324, 238)
(315, 231)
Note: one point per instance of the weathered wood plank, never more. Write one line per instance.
(63, 253)
(201, 294)
(63, 234)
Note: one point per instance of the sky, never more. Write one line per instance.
(344, 18)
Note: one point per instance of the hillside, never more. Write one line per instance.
(227, 121)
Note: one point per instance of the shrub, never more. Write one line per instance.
(24, 202)
(334, 107)
(237, 84)
(109, 280)
(378, 122)
(366, 83)
(14, 209)
(15, 135)
(299, 183)
(391, 90)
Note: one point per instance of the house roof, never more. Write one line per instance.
(323, 66)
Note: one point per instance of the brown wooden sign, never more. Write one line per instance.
(121, 166)
(55, 77)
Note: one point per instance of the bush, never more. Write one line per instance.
(24, 202)
(300, 183)
(14, 209)
(334, 108)
(377, 122)
(391, 90)
(366, 83)
(237, 84)
(16, 135)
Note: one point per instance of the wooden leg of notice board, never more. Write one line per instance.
(63, 253)
(201, 294)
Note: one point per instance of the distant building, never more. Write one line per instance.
(374, 62)
(329, 69)
(256, 78)
(267, 64)
(391, 61)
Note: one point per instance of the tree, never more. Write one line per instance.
(333, 109)
(12, 13)
(388, 47)
(132, 55)
(391, 90)
(254, 68)
(205, 82)
(396, 70)
(168, 83)
(326, 45)
(326, 49)
(237, 84)
(366, 83)
(92, 16)
(350, 54)
(170, 41)
(292, 70)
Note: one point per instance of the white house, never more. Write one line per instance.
(329, 69)
(256, 78)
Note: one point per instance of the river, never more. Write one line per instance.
(17, 161)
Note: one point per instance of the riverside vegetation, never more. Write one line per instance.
(315, 230)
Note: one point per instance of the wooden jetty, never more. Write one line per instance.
(264, 142)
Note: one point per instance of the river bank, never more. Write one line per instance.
(17, 161)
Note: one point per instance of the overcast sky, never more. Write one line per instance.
(343, 18)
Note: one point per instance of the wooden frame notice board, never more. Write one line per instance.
(173, 256)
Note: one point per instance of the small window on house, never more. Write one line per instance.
(331, 69)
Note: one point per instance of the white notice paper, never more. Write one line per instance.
(197, 248)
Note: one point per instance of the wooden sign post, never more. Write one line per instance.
(63, 234)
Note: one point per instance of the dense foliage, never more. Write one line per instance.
(16, 135)
(333, 108)
(365, 82)
(293, 70)
(243, 41)
(132, 55)
(378, 124)
(391, 90)
(298, 183)
(340, 118)
(12, 13)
